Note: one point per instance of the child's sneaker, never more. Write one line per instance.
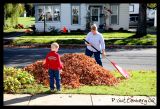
(58, 91)
(52, 90)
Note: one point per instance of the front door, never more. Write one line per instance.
(95, 12)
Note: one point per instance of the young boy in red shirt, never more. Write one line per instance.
(54, 64)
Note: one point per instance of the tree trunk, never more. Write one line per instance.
(142, 26)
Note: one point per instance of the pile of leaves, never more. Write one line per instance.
(39, 72)
(79, 69)
(19, 26)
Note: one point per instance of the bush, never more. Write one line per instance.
(110, 29)
(11, 84)
(10, 71)
(121, 29)
(33, 28)
(53, 30)
(25, 78)
(6, 27)
(15, 79)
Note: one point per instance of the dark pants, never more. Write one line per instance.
(96, 56)
(54, 74)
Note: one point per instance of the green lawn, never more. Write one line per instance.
(26, 21)
(105, 35)
(77, 39)
(140, 83)
(110, 37)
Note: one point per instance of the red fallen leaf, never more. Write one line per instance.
(79, 69)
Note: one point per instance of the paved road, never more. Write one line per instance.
(134, 59)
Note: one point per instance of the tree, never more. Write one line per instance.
(142, 24)
(152, 5)
(141, 29)
(29, 9)
(12, 11)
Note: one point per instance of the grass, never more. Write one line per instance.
(110, 37)
(26, 21)
(105, 35)
(146, 40)
(77, 39)
(141, 83)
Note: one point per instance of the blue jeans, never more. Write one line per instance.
(54, 74)
(97, 56)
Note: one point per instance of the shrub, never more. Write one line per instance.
(10, 71)
(11, 84)
(6, 27)
(25, 78)
(15, 79)
(121, 29)
(33, 28)
(53, 30)
(110, 29)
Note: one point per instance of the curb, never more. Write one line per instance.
(76, 46)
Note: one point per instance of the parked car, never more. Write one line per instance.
(150, 22)
(134, 22)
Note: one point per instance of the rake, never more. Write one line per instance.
(123, 72)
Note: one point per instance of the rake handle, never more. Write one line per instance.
(92, 46)
(95, 48)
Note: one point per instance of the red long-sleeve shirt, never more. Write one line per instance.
(53, 61)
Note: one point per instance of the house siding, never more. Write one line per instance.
(65, 20)
(65, 15)
(123, 17)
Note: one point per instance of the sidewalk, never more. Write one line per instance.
(77, 99)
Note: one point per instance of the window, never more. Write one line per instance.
(75, 14)
(52, 13)
(115, 14)
(40, 13)
(56, 13)
(95, 14)
(134, 18)
(48, 13)
(131, 8)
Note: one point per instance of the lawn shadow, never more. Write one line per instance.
(12, 34)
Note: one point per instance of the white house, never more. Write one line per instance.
(134, 8)
(73, 16)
